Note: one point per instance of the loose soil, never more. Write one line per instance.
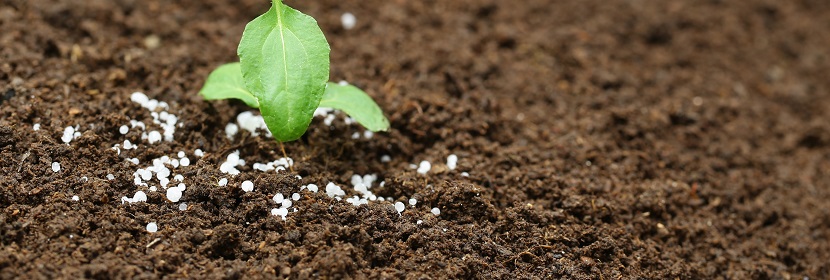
(603, 140)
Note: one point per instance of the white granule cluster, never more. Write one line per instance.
(278, 165)
(230, 164)
(247, 186)
(152, 227)
(247, 121)
(348, 20)
(424, 167)
(70, 133)
(452, 161)
(174, 194)
(56, 166)
(311, 187)
(362, 185)
(139, 196)
(282, 212)
(333, 190)
(161, 117)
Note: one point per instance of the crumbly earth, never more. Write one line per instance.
(603, 140)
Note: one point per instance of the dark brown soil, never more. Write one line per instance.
(603, 140)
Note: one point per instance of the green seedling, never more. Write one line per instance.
(283, 70)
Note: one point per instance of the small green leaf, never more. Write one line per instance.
(357, 104)
(226, 82)
(285, 64)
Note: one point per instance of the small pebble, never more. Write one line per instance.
(182, 206)
(56, 166)
(75, 198)
(435, 211)
(399, 207)
(123, 129)
(348, 20)
(424, 167)
(223, 182)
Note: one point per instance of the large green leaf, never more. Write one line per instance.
(357, 104)
(226, 82)
(285, 64)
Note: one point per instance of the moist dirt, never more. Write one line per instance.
(596, 140)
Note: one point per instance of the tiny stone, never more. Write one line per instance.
(199, 153)
(435, 211)
(452, 161)
(181, 154)
(399, 207)
(56, 166)
(278, 198)
(75, 198)
(182, 206)
(385, 158)
(419, 222)
(223, 182)
(295, 196)
(184, 162)
(123, 129)
(312, 188)
(413, 201)
(174, 194)
(110, 177)
(36, 127)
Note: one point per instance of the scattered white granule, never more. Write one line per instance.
(184, 162)
(174, 194)
(465, 174)
(231, 129)
(199, 153)
(154, 137)
(36, 127)
(152, 227)
(178, 177)
(110, 177)
(182, 206)
(75, 198)
(295, 196)
(413, 201)
(123, 129)
(356, 135)
(424, 167)
(282, 212)
(368, 134)
(56, 166)
(68, 134)
(452, 161)
(333, 190)
(247, 186)
(180, 154)
(385, 158)
(278, 198)
(230, 164)
(399, 207)
(223, 182)
(312, 188)
(419, 222)
(348, 20)
(435, 211)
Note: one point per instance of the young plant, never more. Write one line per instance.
(283, 70)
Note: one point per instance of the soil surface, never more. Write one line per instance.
(595, 140)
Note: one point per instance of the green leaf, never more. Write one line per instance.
(226, 82)
(285, 64)
(357, 104)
